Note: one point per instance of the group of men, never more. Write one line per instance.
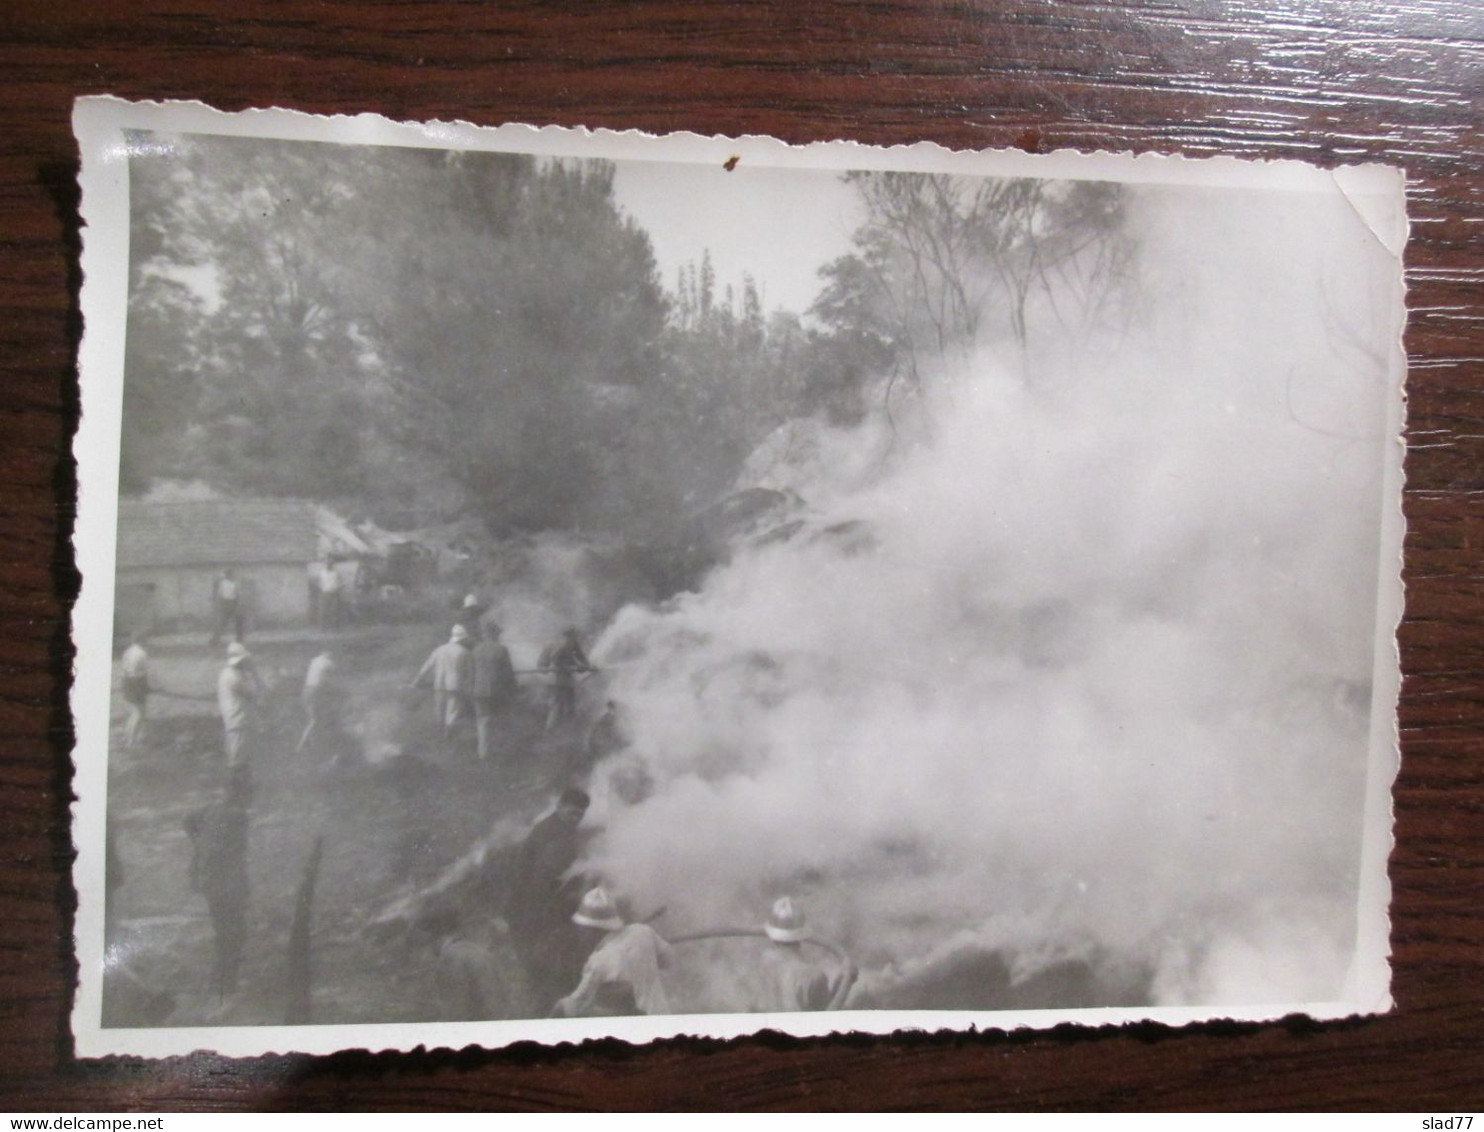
(327, 605)
(514, 936)
(473, 677)
(556, 944)
(628, 961)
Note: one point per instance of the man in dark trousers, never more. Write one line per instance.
(542, 899)
(494, 686)
(227, 597)
(219, 849)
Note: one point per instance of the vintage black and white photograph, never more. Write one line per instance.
(541, 584)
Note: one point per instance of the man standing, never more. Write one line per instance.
(450, 670)
(330, 603)
(134, 665)
(238, 693)
(219, 851)
(494, 685)
(228, 607)
(622, 975)
(566, 661)
(321, 699)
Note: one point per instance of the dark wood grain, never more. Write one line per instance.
(1330, 82)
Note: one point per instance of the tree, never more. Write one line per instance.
(940, 260)
(517, 334)
(275, 398)
(478, 319)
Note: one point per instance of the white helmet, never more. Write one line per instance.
(785, 923)
(598, 911)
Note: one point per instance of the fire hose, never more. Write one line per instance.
(209, 698)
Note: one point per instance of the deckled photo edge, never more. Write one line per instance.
(104, 177)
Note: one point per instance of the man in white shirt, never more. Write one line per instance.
(330, 586)
(238, 691)
(321, 699)
(134, 666)
(450, 669)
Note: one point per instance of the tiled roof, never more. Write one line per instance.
(218, 532)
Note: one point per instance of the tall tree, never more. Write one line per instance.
(942, 260)
(517, 333)
(484, 315)
(243, 232)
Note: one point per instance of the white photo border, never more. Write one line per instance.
(100, 124)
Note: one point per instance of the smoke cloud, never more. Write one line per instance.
(1070, 661)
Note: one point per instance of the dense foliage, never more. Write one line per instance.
(414, 332)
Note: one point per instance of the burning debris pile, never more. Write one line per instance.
(1065, 692)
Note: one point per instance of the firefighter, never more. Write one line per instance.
(450, 670)
(566, 661)
(622, 975)
(792, 980)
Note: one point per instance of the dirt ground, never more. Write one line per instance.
(389, 824)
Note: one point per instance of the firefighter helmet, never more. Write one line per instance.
(785, 923)
(598, 911)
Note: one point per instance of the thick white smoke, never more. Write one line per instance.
(1075, 668)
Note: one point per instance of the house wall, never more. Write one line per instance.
(164, 598)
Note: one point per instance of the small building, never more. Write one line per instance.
(170, 555)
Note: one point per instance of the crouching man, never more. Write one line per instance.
(622, 975)
(479, 975)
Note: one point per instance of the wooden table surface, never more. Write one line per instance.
(1330, 81)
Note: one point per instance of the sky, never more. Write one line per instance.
(781, 225)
